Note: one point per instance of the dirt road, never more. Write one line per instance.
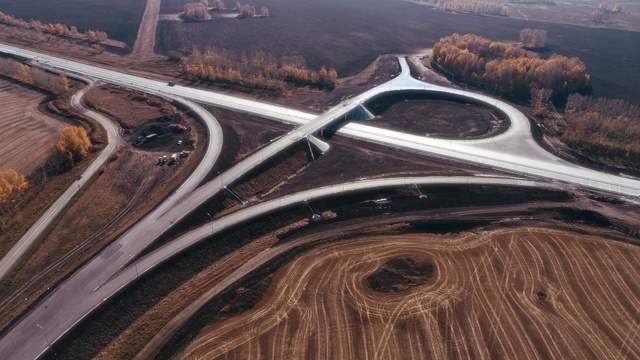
(146, 41)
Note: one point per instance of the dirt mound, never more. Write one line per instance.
(401, 273)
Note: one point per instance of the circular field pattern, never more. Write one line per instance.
(517, 293)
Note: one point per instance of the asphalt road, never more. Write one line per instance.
(191, 238)
(24, 244)
(515, 150)
(87, 288)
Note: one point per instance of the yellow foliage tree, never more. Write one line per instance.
(22, 74)
(64, 82)
(10, 182)
(73, 143)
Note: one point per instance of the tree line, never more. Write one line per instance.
(258, 70)
(601, 13)
(199, 11)
(55, 29)
(603, 128)
(474, 7)
(249, 10)
(56, 84)
(504, 69)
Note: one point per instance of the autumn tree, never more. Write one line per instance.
(616, 8)
(247, 11)
(218, 5)
(22, 73)
(73, 144)
(97, 48)
(64, 82)
(195, 12)
(540, 101)
(10, 183)
(258, 70)
(533, 38)
(604, 130)
(264, 11)
(506, 69)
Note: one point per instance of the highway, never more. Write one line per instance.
(191, 238)
(72, 301)
(513, 151)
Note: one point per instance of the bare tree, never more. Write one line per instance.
(533, 38)
(616, 8)
(601, 14)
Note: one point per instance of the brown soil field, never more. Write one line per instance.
(132, 319)
(130, 187)
(131, 109)
(141, 115)
(437, 118)
(577, 12)
(120, 19)
(349, 35)
(525, 293)
(48, 181)
(28, 136)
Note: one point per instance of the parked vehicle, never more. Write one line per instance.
(173, 159)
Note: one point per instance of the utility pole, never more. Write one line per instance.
(135, 265)
(243, 202)
(211, 218)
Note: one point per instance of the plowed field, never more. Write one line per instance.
(519, 293)
(26, 135)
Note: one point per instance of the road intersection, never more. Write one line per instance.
(514, 151)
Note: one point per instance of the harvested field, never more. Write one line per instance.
(119, 18)
(129, 187)
(519, 293)
(27, 135)
(349, 35)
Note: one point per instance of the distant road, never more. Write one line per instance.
(146, 40)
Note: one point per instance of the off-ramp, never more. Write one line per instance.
(514, 151)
